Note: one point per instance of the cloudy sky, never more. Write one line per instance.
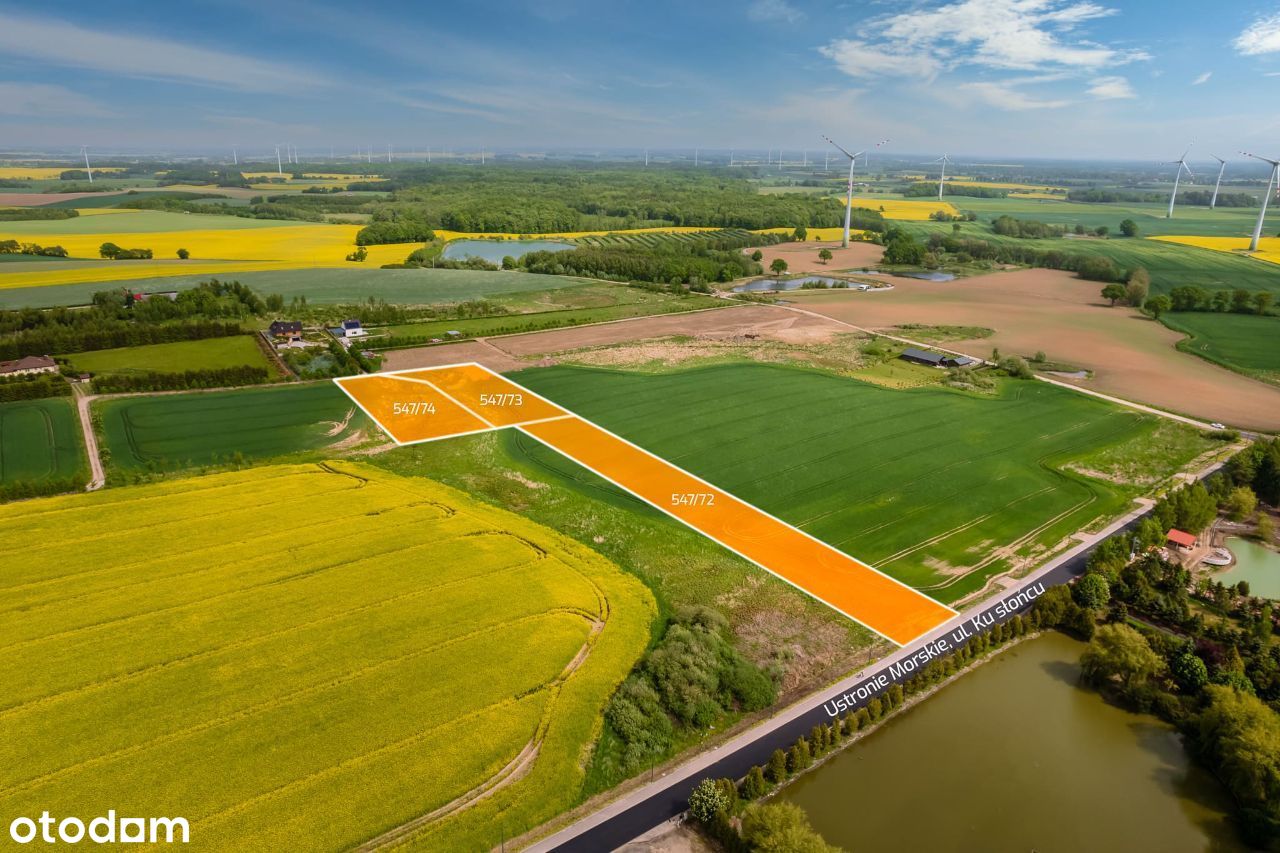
(1114, 78)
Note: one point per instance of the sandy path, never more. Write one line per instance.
(98, 476)
(1031, 310)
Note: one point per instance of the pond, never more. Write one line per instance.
(1255, 563)
(494, 251)
(1015, 756)
(788, 283)
(928, 276)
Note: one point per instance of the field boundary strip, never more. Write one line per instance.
(420, 405)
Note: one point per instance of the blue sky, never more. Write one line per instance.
(1134, 79)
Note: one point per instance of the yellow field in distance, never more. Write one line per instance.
(909, 209)
(1268, 247)
(42, 173)
(306, 638)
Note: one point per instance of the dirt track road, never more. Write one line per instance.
(98, 477)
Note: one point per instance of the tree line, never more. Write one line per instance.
(110, 334)
(1190, 197)
(35, 387)
(213, 377)
(13, 247)
(1238, 301)
(16, 214)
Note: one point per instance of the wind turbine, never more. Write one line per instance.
(279, 165)
(1262, 214)
(1213, 202)
(1181, 163)
(866, 158)
(944, 160)
(388, 152)
(848, 200)
(235, 158)
(84, 149)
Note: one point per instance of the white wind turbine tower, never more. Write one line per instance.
(388, 152)
(848, 200)
(944, 160)
(1181, 163)
(1213, 202)
(235, 158)
(866, 158)
(84, 149)
(1262, 214)
(279, 165)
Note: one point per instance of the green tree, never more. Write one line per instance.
(777, 768)
(757, 255)
(1262, 301)
(801, 234)
(778, 265)
(1266, 528)
(183, 254)
(1241, 503)
(1158, 305)
(1102, 231)
(824, 255)
(781, 828)
(1092, 591)
(110, 251)
(754, 786)
(707, 800)
(1128, 228)
(1189, 671)
(1114, 292)
(1118, 651)
(799, 758)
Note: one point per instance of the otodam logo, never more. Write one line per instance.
(100, 830)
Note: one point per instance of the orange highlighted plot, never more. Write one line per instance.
(410, 411)
(499, 401)
(881, 603)
(424, 405)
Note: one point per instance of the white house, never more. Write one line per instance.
(349, 329)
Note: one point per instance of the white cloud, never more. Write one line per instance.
(46, 101)
(767, 11)
(859, 59)
(1110, 88)
(61, 43)
(1007, 97)
(1262, 36)
(1202, 79)
(1023, 35)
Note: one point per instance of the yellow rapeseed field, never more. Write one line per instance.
(41, 173)
(898, 208)
(304, 638)
(1268, 247)
(998, 185)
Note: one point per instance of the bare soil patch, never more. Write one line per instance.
(464, 351)
(803, 257)
(37, 199)
(1129, 355)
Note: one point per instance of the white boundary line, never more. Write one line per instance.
(793, 528)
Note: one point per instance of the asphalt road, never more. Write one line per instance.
(643, 815)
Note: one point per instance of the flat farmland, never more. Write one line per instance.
(1129, 355)
(207, 354)
(1245, 342)
(39, 440)
(940, 489)
(166, 431)
(343, 677)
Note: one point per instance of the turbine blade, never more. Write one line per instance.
(837, 145)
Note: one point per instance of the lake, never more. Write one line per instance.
(1016, 757)
(494, 251)
(788, 283)
(1258, 565)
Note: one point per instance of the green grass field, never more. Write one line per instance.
(1243, 342)
(938, 488)
(320, 652)
(168, 431)
(323, 286)
(176, 357)
(39, 440)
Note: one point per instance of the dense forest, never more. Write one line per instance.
(517, 199)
